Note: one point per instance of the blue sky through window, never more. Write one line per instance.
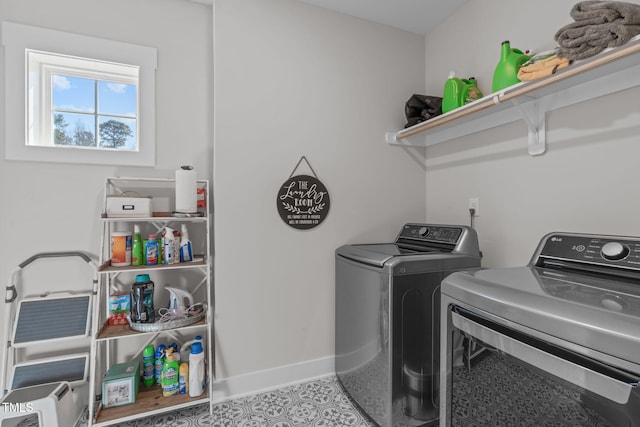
(79, 100)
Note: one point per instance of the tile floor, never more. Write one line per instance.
(323, 403)
(317, 403)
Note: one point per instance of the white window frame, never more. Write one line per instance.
(43, 65)
(18, 38)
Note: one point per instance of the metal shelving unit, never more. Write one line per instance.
(609, 72)
(105, 340)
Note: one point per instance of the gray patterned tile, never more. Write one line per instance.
(318, 403)
(481, 397)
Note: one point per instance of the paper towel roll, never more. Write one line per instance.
(186, 189)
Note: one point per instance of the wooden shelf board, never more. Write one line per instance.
(199, 261)
(149, 401)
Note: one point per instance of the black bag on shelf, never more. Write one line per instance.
(422, 107)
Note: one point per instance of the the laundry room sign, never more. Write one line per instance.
(303, 201)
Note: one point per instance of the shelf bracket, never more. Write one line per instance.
(535, 117)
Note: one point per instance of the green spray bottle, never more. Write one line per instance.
(170, 375)
(506, 72)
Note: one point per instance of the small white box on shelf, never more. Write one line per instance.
(123, 206)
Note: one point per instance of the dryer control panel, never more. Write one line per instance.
(610, 251)
(455, 239)
(432, 233)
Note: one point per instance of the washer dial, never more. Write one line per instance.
(614, 251)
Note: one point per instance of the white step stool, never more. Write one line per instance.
(53, 403)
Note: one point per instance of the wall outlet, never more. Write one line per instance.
(474, 204)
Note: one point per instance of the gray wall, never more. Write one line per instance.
(55, 207)
(293, 80)
(587, 180)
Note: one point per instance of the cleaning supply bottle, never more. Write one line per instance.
(506, 72)
(151, 250)
(186, 253)
(458, 92)
(185, 350)
(159, 362)
(197, 377)
(148, 366)
(170, 375)
(183, 378)
(142, 308)
(137, 252)
(170, 246)
(450, 96)
(176, 353)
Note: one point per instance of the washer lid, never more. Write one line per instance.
(377, 254)
(594, 313)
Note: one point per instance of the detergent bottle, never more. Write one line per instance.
(506, 72)
(197, 378)
(458, 92)
(185, 350)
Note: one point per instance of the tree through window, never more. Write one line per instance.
(93, 113)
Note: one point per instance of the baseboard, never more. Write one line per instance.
(269, 379)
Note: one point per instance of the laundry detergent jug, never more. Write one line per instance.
(506, 73)
(458, 92)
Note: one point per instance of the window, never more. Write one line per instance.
(78, 99)
(77, 102)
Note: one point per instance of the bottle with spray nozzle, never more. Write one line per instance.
(159, 362)
(170, 375)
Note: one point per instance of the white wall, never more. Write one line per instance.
(293, 80)
(55, 207)
(587, 180)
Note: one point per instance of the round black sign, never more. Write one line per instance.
(303, 202)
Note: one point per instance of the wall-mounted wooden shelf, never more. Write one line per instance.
(608, 72)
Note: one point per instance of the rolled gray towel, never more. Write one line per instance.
(577, 53)
(606, 11)
(595, 35)
(598, 25)
(581, 43)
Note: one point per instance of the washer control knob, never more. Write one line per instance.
(614, 251)
(423, 231)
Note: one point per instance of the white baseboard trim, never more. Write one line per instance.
(270, 379)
